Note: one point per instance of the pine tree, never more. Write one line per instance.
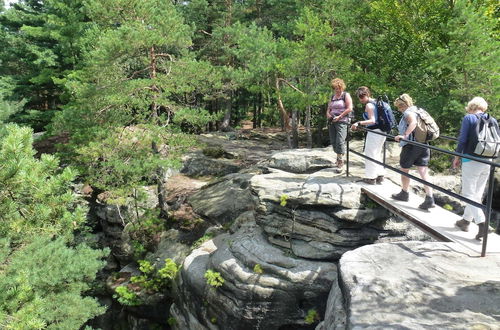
(42, 276)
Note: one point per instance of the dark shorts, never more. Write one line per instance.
(413, 155)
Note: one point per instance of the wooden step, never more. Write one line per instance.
(437, 222)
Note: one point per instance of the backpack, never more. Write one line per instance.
(350, 116)
(385, 117)
(426, 129)
(488, 137)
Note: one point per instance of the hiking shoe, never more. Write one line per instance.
(368, 181)
(462, 224)
(340, 165)
(480, 231)
(403, 196)
(379, 179)
(428, 203)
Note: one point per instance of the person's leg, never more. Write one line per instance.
(469, 183)
(379, 146)
(405, 162)
(482, 172)
(332, 135)
(424, 174)
(405, 181)
(370, 145)
(429, 197)
(372, 150)
(340, 146)
(340, 137)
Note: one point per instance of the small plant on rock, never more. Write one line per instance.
(152, 280)
(126, 297)
(214, 279)
(202, 240)
(448, 207)
(283, 200)
(312, 316)
(257, 269)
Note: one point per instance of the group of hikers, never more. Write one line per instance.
(474, 174)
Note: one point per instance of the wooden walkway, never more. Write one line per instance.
(437, 222)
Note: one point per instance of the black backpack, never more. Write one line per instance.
(385, 120)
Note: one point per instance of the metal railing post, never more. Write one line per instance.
(383, 155)
(489, 201)
(347, 153)
(487, 209)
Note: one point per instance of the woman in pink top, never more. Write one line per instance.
(337, 114)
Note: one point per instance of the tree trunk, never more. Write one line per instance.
(254, 112)
(321, 125)
(308, 127)
(227, 115)
(259, 111)
(281, 108)
(295, 130)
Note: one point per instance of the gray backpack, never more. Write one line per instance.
(488, 137)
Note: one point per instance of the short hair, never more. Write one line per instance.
(403, 99)
(477, 103)
(337, 82)
(363, 91)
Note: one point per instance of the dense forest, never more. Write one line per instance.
(127, 84)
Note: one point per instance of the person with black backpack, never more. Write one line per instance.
(374, 143)
(338, 116)
(475, 124)
(411, 154)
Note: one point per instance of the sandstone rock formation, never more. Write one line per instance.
(264, 287)
(415, 285)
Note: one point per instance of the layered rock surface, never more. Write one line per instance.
(275, 294)
(291, 224)
(416, 285)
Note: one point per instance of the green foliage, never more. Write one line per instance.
(152, 280)
(448, 207)
(38, 215)
(41, 45)
(144, 231)
(311, 317)
(34, 196)
(35, 119)
(257, 269)
(193, 120)
(171, 321)
(370, 204)
(283, 200)
(126, 297)
(214, 279)
(441, 162)
(41, 285)
(202, 240)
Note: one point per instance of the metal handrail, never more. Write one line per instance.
(486, 208)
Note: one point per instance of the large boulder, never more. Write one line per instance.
(264, 287)
(197, 164)
(225, 199)
(316, 216)
(415, 285)
(321, 188)
(302, 160)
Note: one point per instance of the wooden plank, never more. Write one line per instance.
(437, 222)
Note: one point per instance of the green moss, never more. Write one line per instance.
(214, 152)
